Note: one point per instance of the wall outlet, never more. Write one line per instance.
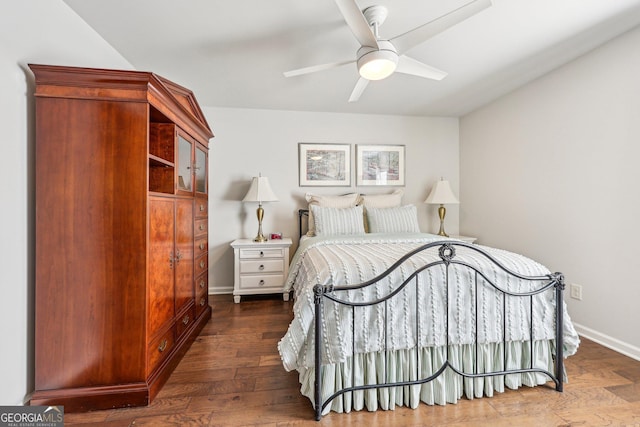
(575, 291)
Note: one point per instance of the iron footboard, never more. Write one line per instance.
(447, 257)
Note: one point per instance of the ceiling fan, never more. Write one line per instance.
(378, 59)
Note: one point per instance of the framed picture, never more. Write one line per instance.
(380, 165)
(324, 164)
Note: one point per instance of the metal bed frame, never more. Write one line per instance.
(447, 253)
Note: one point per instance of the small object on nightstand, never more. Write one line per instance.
(467, 239)
(260, 268)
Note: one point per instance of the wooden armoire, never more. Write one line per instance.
(121, 234)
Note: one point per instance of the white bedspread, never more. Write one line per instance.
(346, 260)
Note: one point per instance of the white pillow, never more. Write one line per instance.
(380, 201)
(336, 221)
(399, 219)
(345, 201)
(383, 200)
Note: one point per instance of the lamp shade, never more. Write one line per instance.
(260, 191)
(441, 194)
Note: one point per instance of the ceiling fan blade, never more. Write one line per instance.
(357, 22)
(361, 85)
(411, 66)
(315, 68)
(406, 41)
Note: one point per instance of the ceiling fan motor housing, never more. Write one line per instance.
(377, 63)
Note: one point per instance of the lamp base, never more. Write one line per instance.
(260, 214)
(442, 211)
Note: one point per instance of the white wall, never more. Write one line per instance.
(42, 32)
(551, 171)
(251, 141)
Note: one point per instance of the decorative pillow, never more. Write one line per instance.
(345, 201)
(399, 219)
(335, 221)
(381, 201)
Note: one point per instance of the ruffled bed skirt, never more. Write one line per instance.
(406, 365)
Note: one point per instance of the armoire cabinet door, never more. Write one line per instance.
(162, 262)
(184, 253)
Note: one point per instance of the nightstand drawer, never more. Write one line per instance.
(262, 266)
(257, 282)
(261, 253)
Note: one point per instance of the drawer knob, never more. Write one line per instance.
(201, 227)
(163, 345)
(201, 284)
(201, 208)
(201, 264)
(185, 319)
(202, 302)
(261, 267)
(261, 282)
(261, 253)
(201, 246)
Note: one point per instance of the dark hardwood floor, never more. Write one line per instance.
(232, 376)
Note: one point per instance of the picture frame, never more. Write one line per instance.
(380, 165)
(324, 165)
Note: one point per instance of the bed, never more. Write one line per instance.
(394, 318)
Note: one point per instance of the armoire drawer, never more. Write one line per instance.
(202, 263)
(160, 348)
(201, 246)
(202, 207)
(201, 226)
(202, 284)
(202, 300)
(185, 320)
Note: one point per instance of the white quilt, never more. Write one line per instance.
(346, 260)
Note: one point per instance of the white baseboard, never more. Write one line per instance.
(609, 342)
(221, 291)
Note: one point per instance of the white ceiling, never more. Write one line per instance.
(232, 53)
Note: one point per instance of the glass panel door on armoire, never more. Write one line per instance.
(201, 171)
(185, 171)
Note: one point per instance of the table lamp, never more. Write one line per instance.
(260, 191)
(441, 194)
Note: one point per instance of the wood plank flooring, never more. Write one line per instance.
(232, 376)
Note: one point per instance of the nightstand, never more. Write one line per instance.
(260, 268)
(467, 239)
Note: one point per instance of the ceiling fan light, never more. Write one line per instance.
(377, 64)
